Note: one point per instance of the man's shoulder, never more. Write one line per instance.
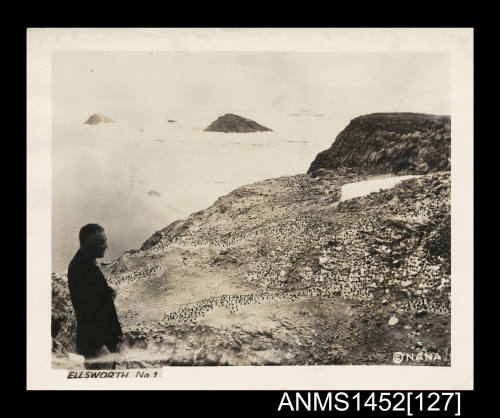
(77, 264)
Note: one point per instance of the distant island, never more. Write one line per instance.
(231, 123)
(97, 118)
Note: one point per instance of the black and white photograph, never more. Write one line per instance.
(251, 208)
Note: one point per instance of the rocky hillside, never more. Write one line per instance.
(282, 272)
(234, 123)
(97, 118)
(409, 143)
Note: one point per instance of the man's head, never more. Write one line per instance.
(93, 240)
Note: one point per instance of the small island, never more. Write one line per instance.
(97, 118)
(231, 123)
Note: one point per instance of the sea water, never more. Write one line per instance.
(137, 175)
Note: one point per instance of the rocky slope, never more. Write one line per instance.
(409, 143)
(234, 123)
(97, 118)
(282, 272)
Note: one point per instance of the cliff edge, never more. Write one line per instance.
(400, 143)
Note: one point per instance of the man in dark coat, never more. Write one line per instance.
(98, 330)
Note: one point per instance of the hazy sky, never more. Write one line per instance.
(344, 83)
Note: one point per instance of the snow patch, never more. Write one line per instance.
(364, 188)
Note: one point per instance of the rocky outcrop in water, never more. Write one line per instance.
(403, 143)
(97, 118)
(235, 124)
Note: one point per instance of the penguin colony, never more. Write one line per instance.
(142, 273)
(379, 256)
(233, 303)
